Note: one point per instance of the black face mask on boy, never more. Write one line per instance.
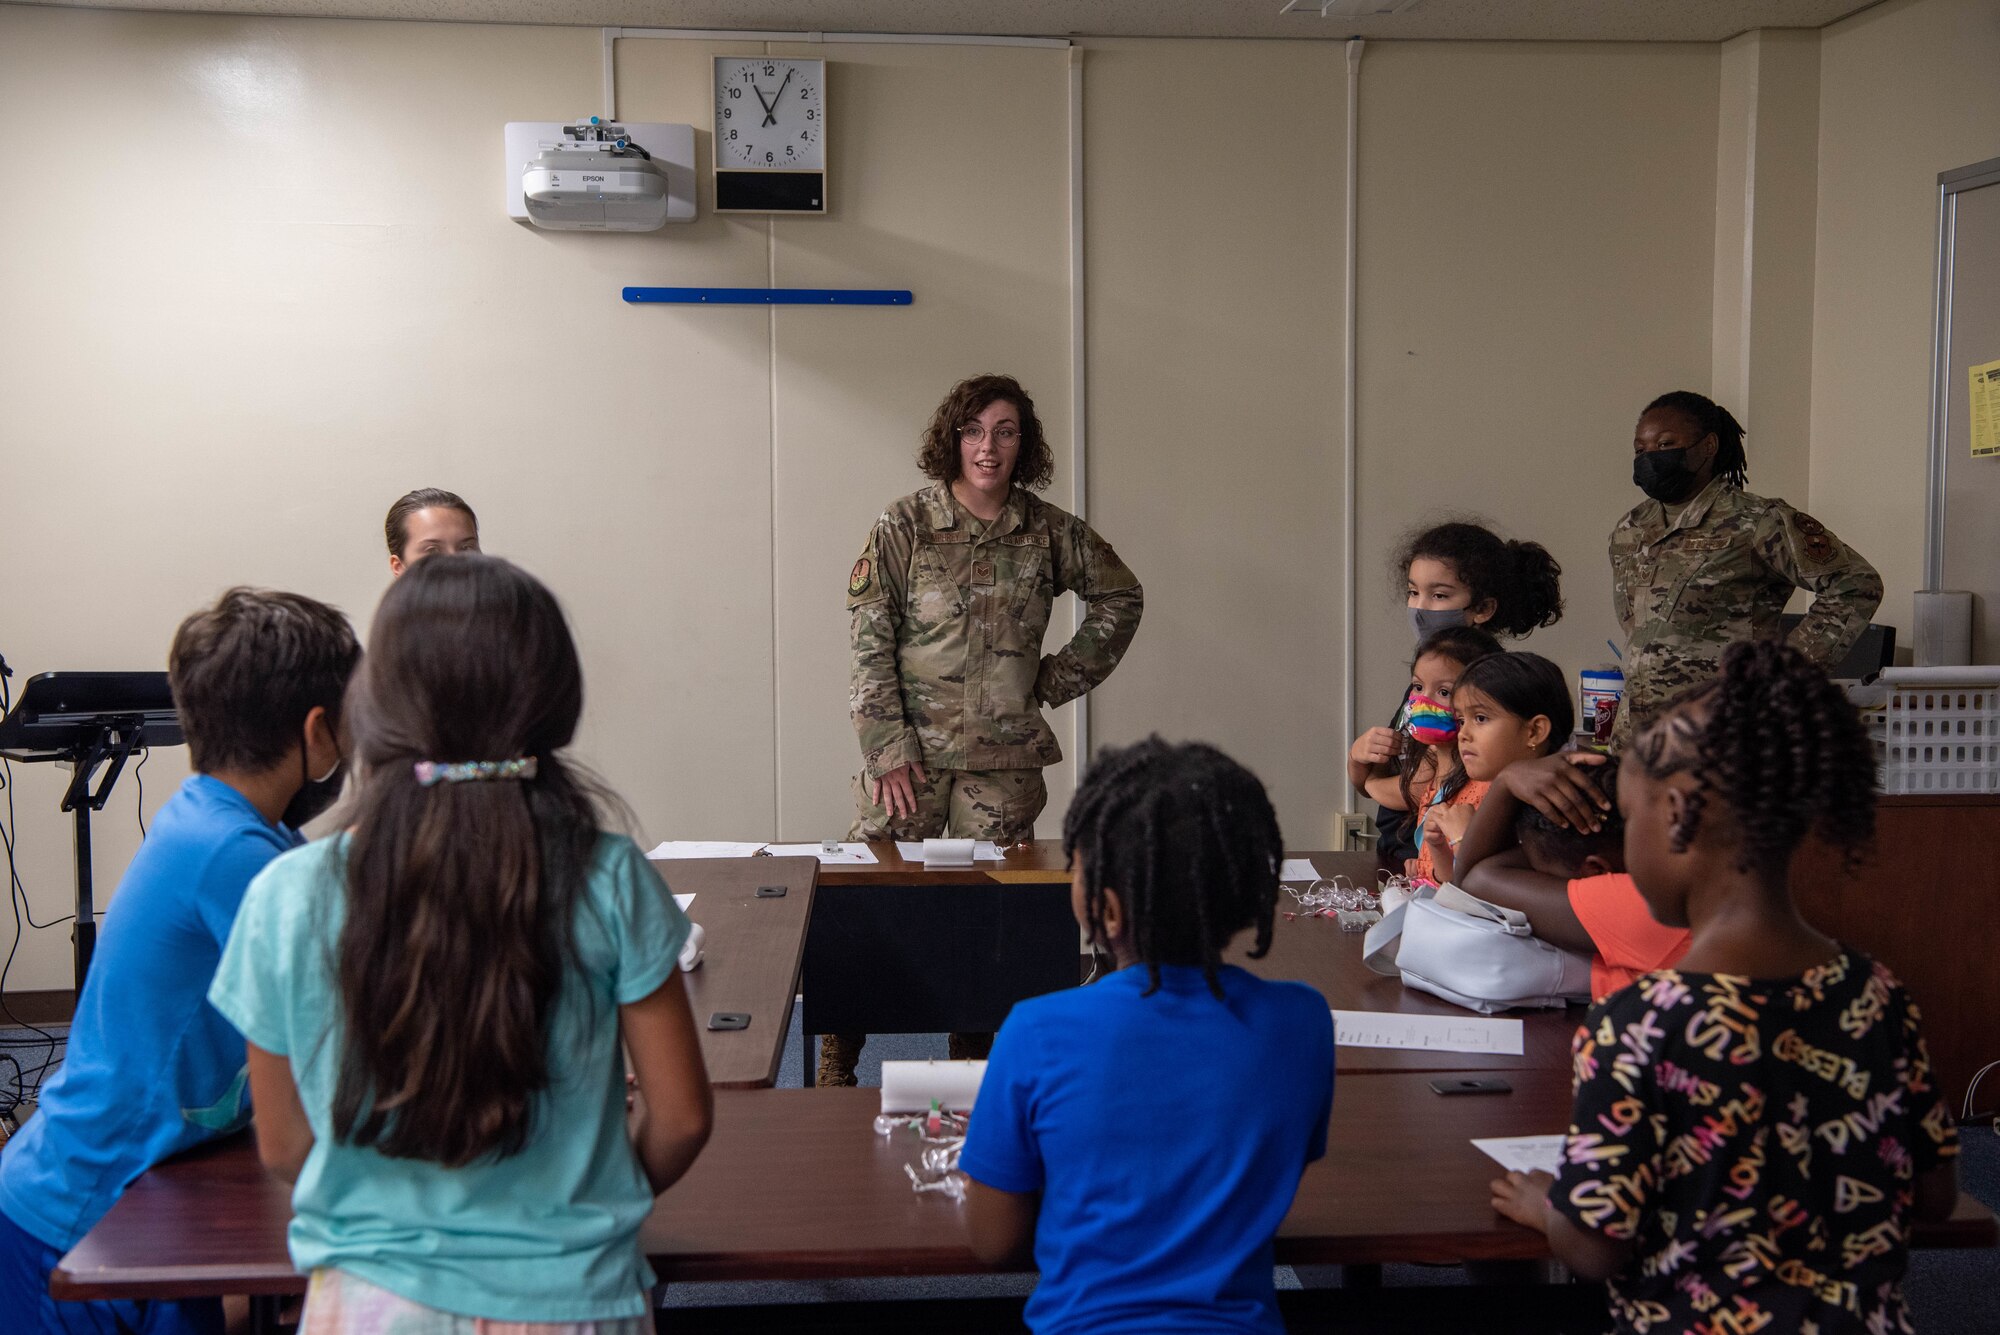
(314, 796)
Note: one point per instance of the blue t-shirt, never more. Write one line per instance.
(152, 1068)
(549, 1234)
(1166, 1134)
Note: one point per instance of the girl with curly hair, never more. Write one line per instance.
(1754, 1130)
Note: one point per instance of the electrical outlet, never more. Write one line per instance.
(1356, 832)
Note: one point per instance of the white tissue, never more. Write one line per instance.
(691, 948)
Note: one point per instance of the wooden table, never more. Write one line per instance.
(1316, 951)
(750, 957)
(796, 1184)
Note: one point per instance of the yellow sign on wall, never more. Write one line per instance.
(1986, 410)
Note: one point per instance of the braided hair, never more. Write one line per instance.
(1711, 417)
(1187, 838)
(1522, 579)
(1777, 743)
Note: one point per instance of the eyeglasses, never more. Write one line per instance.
(1005, 436)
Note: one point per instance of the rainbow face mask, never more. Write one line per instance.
(1428, 721)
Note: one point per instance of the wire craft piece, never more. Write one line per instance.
(943, 1137)
(1355, 907)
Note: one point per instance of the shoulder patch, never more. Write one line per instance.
(1818, 546)
(860, 578)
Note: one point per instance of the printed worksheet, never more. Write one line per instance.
(1522, 1154)
(702, 848)
(1433, 1033)
(1298, 869)
(854, 854)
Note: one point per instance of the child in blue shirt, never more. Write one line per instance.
(1143, 1137)
(435, 999)
(152, 1069)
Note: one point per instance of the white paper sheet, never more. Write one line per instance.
(702, 848)
(1434, 1033)
(983, 851)
(682, 901)
(855, 854)
(1522, 1154)
(1298, 869)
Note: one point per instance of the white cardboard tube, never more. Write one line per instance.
(948, 852)
(909, 1087)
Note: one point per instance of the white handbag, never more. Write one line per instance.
(1472, 953)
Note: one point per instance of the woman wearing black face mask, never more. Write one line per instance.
(1702, 563)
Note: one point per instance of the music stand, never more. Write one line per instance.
(89, 719)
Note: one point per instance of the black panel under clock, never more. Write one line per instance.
(771, 192)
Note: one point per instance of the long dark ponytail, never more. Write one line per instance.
(459, 896)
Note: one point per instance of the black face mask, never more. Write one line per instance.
(1663, 475)
(314, 796)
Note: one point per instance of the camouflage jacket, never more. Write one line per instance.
(947, 620)
(1720, 571)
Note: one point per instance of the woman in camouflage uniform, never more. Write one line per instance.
(1702, 563)
(949, 602)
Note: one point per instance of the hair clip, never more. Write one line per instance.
(430, 772)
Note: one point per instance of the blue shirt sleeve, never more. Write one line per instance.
(647, 926)
(248, 988)
(1320, 1053)
(1000, 1149)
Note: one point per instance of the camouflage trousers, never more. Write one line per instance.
(997, 804)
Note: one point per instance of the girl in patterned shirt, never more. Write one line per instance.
(1754, 1131)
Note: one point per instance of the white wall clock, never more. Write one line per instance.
(770, 135)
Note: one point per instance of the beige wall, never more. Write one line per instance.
(1537, 234)
(1907, 90)
(276, 356)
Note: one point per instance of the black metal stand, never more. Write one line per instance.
(89, 720)
(111, 746)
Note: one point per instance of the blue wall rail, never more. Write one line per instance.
(769, 296)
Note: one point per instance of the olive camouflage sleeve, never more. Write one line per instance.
(1111, 592)
(875, 594)
(1845, 588)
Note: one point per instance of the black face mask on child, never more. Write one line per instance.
(314, 796)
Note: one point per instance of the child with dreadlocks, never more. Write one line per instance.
(1753, 1131)
(1142, 1138)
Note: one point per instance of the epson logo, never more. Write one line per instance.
(588, 177)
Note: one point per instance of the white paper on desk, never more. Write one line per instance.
(1523, 1154)
(985, 850)
(855, 854)
(702, 848)
(682, 901)
(909, 1087)
(1298, 869)
(1433, 1033)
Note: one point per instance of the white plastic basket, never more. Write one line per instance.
(1939, 730)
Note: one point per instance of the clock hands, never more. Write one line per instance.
(770, 112)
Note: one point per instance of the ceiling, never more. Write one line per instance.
(1477, 20)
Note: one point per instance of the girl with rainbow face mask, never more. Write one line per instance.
(1404, 768)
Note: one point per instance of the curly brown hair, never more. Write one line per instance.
(1034, 467)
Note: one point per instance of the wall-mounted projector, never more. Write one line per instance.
(594, 176)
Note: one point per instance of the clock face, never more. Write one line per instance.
(770, 115)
